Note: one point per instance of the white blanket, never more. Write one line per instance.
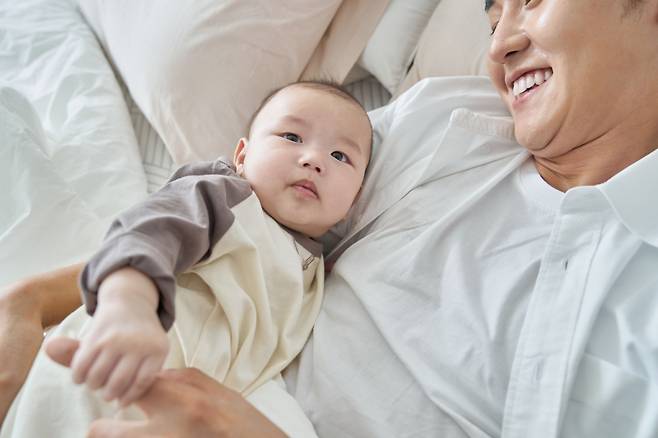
(68, 155)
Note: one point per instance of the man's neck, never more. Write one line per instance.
(597, 161)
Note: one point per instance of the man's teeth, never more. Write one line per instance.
(530, 80)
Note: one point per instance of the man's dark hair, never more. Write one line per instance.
(323, 85)
(630, 6)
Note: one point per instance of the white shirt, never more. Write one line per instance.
(475, 300)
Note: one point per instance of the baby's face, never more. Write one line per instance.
(306, 157)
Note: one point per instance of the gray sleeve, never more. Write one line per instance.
(173, 229)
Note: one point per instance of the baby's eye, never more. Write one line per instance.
(292, 137)
(340, 156)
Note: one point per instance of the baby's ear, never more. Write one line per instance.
(239, 155)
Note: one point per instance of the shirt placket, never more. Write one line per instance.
(537, 380)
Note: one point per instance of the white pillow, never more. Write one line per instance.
(454, 43)
(199, 68)
(390, 48)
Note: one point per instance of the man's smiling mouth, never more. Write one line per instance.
(531, 80)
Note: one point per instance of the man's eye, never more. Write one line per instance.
(340, 156)
(493, 28)
(292, 137)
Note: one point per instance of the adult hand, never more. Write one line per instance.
(26, 308)
(187, 403)
(180, 403)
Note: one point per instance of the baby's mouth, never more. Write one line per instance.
(530, 81)
(307, 187)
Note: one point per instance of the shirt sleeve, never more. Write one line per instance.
(173, 229)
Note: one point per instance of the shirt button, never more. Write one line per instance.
(538, 371)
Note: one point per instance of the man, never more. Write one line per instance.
(500, 291)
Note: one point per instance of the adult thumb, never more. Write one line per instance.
(113, 428)
(61, 349)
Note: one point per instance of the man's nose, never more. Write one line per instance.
(508, 39)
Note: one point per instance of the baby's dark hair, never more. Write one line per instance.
(323, 85)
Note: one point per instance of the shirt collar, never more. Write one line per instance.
(632, 193)
(309, 244)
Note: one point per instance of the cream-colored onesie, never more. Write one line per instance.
(243, 310)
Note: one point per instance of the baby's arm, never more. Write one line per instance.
(129, 284)
(126, 345)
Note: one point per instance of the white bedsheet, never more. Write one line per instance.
(69, 160)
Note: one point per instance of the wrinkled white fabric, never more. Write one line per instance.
(43, 221)
(69, 156)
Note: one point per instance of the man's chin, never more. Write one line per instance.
(532, 140)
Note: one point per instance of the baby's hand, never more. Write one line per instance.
(126, 344)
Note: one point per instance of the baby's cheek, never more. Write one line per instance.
(264, 195)
(345, 200)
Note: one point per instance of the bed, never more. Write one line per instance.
(98, 108)
(101, 101)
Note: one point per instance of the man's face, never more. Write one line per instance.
(306, 157)
(570, 71)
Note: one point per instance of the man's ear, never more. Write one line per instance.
(239, 155)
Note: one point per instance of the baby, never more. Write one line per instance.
(233, 246)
